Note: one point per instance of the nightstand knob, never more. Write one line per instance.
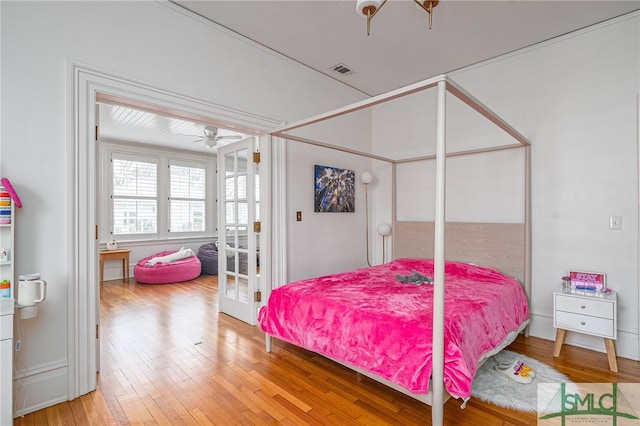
(583, 323)
(582, 306)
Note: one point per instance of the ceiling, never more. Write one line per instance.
(125, 123)
(400, 50)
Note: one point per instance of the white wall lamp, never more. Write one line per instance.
(369, 8)
(366, 178)
(384, 229)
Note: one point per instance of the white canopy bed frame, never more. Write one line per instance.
(420, 239)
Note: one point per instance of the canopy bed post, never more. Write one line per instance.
(527, 226)
(394, 212)
(437, 408)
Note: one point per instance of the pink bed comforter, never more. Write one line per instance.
(368, 319)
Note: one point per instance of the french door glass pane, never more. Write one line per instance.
(242, 162)
(229, 164)
(230, 209)
(230, 287)
(243, 289)
(242, 186)
(243, 213)
(231, 232)
(230, 187)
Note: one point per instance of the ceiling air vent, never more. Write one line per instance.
(342, 69)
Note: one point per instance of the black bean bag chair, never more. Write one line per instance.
(208, 255)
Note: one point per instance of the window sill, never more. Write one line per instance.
(160, 241)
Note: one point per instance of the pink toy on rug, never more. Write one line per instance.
(163, 273)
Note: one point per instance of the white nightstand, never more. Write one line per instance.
(588, 313)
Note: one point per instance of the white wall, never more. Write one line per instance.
(575, 98)
(325, 243)
(144, 41)
(486, 187)
(322, 243)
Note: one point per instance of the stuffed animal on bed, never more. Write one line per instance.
(415, 278)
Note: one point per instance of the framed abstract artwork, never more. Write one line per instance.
(334, 189)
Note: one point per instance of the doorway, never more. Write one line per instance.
(83, 312)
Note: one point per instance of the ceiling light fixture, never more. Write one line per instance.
(369, 8)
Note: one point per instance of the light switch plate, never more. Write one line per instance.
(615, 222)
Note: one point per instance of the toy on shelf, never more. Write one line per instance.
(5, 289)
(12, 192)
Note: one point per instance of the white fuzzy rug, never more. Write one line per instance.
(492, 386)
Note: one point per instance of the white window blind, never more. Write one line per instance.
(134, 197)
(187, 197)
(153, 194)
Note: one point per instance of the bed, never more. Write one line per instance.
(370, 319)
(504, 245)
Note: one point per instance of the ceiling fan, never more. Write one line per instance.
(210, 136)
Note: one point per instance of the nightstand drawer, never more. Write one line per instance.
(579, 305)
(584, 324)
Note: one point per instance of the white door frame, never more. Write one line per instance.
(83, 296)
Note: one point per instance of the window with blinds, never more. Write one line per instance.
(187, 197)
(135, 195)
(156, 194)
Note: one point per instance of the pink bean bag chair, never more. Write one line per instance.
(167, 272)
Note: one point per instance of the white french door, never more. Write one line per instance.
(238, 229)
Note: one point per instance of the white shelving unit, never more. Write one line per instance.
(6, 322)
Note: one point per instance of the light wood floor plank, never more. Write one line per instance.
(169, 358)
(275, 390)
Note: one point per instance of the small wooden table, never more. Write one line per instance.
(120, 254)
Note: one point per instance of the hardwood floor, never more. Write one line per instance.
(169, 358)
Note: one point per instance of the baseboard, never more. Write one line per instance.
(115, 273)
(40, 387)
(626, 344)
